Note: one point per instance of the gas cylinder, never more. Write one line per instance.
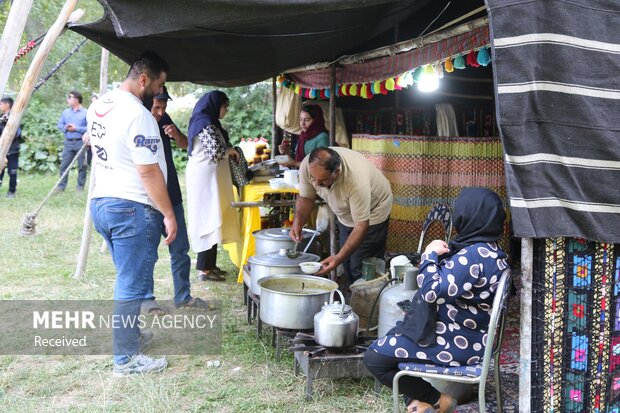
(389, 312)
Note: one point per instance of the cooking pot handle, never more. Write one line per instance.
(331, 300)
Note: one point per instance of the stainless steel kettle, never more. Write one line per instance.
(336, 324)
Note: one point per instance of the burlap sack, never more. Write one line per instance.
(363, 295)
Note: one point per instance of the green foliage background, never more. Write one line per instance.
(250, 113)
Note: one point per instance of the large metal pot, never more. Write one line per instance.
(269, 167)
(273, 263)
(336, 324)
(274, 239)
(291, 300)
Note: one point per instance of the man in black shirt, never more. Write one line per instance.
(12, 157)
(180, 262)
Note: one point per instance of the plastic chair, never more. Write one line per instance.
(441, 213)
(473, 374)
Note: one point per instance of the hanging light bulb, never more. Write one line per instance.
(429, 80)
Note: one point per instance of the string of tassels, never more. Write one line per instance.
(367, 90)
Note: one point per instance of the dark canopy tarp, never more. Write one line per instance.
(235, 42)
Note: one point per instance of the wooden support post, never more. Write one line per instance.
(525, 352)
(34, 71)
(274, 126)
(12, 34)
(333, 241)
(87, 228)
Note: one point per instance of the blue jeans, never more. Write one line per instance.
(180, 262)
(132, 231)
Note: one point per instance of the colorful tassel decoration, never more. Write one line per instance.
(353, 90)
(484, 58)
(459, 62)
(297, 90)
(408, 79)
(389, 84)
(326, 93)
(447, 65)
(343, 90)
(364, 91)
(471, 59)
(375, 86)
(312, 94)
(418, 72)
(382, 89)
(401, 81)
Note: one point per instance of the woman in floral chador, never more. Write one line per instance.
(459, 280)
(211, 219)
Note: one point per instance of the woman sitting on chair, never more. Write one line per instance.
(457, 281)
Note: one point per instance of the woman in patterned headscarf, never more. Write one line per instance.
(211, 219)
(459, 280)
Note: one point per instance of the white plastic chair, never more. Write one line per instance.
(474, 374)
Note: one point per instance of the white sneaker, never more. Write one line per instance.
(139, 364)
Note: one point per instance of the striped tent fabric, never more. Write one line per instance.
(556, 66)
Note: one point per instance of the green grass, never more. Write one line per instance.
(42, 267)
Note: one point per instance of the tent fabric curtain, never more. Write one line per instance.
(446, 120)
(391, 66)
(425, 170)
(556, 66)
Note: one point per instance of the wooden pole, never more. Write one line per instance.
(12, 34)
(525, 351)
(274, 126)
(333, 241)
(87, 228)
(34, 71)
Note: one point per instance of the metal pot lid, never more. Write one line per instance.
(279, 259)
(279, 234)
(336, 308)
(263, 165)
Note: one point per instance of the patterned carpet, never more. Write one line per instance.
(509, 368)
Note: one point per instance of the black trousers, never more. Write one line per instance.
(11, 166)
(373, 245)
(206, 260)
(384, 368)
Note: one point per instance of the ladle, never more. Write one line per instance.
(310, 242)
(293, 254)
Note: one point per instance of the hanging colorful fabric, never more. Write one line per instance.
(343, 90)
(326, 93)
(297, 90)
(369, 93)
(484, 58)
(312, 93)
(280, 78)
(389, 84)
(459, 62)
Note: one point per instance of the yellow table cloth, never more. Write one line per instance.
(250, 222)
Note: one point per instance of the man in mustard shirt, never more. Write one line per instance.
(360, 197)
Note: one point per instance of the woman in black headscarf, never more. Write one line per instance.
(209, 184)
(459, 280)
